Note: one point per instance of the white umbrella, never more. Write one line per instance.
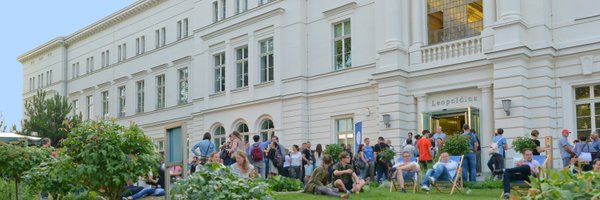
(14, 135)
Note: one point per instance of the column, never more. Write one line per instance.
(487, 122)
(405, 23)
(510, 10)
(421, 107)
(392, 27)
(489, 13)
(417, 23)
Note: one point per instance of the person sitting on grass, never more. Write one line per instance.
(406, 168)
(524, 168)
(157, 189)
(242, 167)
(317, 183)
(442, 170)
(344, 177)
(596, 165)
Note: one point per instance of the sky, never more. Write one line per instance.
(27, 24)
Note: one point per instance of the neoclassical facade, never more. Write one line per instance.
(311, 69)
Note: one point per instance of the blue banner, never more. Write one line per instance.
(357, 135)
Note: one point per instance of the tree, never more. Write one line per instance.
(15, 160)
(48, 117)
(105, 155)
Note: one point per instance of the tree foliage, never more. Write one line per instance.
(48, 117)
(104, 155)
(456, 145)
(57, 176)
(334, 150)
(15, 160)
(522, 143)
(562, 184)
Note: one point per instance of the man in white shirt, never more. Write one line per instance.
(442, 170)
(406, 168)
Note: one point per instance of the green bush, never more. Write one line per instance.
(456, 145)
(386, 155)
(523, 142)
(562, 184)
(334, 150)
(215, 181)
(16, 160)
(487, 184)
(284, 184)
(7, 189)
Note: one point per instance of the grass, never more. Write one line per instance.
(384, 193)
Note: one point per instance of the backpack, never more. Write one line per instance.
(256, 152)
(278, 159)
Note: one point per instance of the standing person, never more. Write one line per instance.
(410, 148)
(524, 168)
(424, 146)
(381, 166)
(206, 148)
(583, 147)
(195, 162)
(566, 149)
(442, 170)
(307, 161)
(389, 143)
(242, 167)
(360, 157)
(234, 144)
(439, 134)
(319, 179)
(595, 145)
(406, 168)
(276, 154)
(296, 163)
(538, 149)
(410, 136)
(318, 155)
(368, 152)
(257, 157)
(497, 159)
(344, 177)
(286, 164)
(470, 161)
(265, 146)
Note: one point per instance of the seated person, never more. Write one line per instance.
(524, 168)
(156, 189)
(344, 177)
(441, 171)
(406, 168)
(596, 165)
(242, 167)
(131, 189)
(317, 183)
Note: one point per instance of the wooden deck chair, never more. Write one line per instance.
(521, 187)
(408, 181)
(455, 181)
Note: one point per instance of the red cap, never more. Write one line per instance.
(566, 131)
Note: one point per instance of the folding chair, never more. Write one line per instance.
(521, 187)
(408, 181)
(455, 179)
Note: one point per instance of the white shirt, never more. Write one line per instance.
(296, 159)
(318, 159)
(287, 161)
(451, 166)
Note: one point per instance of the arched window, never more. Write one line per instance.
(264, 128)
(220, 136)
(243, 129)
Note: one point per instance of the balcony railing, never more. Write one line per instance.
(448, 50)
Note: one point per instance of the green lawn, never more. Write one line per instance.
(382, 194)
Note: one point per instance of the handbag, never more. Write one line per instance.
(360, 164)
(224, 154)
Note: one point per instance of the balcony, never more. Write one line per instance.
(450, 50)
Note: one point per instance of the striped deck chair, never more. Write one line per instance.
(408, 181)
(521, 187)
(456, 181)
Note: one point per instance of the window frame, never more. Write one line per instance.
(219, 135)
(592, 102)
(183, 84)
(140, 96)
(160, 91)
(241, 67)
(267, 73)
(90, 106)
(105, 104)
(122, 101)
(265, 130)
(75, 104)
(342, 38)
(219, 72)
(348, 134)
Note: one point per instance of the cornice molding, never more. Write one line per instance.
(340, 9)
(261, 17)
(100, 25)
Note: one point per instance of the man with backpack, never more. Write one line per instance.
(257, 156)
(497, 151)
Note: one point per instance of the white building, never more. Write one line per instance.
(309, 69)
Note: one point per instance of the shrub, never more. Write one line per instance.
(284, 184)
(456, 145)
(386, 155)
(562, 184)
(334, 151)
(523, 142)
(57, 176)
(15, 160)
(215, 181)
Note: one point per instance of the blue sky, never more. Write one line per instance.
(27, 24)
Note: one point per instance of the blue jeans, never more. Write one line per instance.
(469, 166)
(438, 173)
(566, 161)
(149, 192)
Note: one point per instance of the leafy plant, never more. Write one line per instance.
(7, 190)
(215, 181)
(284, 184)
(57, 176)
(562, 184)
(334, 151)
(523, 142)
(386, 155)
(456, 145)
(15, 160)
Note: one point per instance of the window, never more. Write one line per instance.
(185, 28)
(266, 60)
(223, 9)
(261, 2)
(163, 32)
(160, 91)
(142, 44)
(241, 64)
(90, 107)
(183, 85)
(137, 46)
(264, 129)
(122, 101)
(75, 104)
(42, 80)
(243, 130)
(449, 20)
(179, 30)
(105, 104)
(104, 61)
(140, 97)
(587, 109)
(122, 52)
(241, 6)
(344, 130)
(75, 70)
(157, 34)
(30, 83)
(342, 45)
(220, 137)
(50, 76)
(34, 83)
(87, 65)
(119, 51)
(219, 72)
(215, 11)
